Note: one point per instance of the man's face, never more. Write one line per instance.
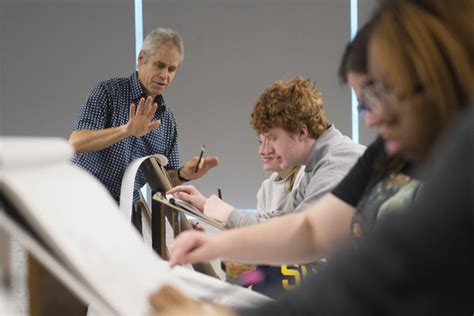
(286, 149)
(157, 71)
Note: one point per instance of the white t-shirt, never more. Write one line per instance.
(274, 190)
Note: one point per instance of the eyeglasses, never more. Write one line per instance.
(363, 108)
(375, 96)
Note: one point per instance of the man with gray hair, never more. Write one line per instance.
(126, 118)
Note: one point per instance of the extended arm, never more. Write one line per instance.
(93, 140)
(139, 124)
(294, 238)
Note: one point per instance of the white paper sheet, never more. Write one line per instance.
(128, 182)
(80, 221)
(17, 152)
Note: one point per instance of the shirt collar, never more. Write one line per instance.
(138, 91)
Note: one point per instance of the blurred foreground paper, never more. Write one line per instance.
(70, 222)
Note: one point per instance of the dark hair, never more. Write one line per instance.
(355, 54)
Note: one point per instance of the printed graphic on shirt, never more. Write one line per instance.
(286, 277)
(392, 194)
(293, 275)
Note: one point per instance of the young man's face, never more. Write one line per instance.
(157, 71)
(286, 149)
(267, 154)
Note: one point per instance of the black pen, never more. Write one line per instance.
(219, 193)
(203, 148)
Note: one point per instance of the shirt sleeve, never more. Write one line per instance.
(313, 193)
(353, 185)
(93, 114)
(239, 218)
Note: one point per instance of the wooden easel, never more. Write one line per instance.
(154, 173)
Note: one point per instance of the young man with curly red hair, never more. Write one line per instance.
(290, 119)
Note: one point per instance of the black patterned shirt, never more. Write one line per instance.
(107, 106)
(375, 191)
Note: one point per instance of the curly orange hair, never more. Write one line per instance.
(288, 105)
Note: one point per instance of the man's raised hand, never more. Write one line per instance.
(139, 120)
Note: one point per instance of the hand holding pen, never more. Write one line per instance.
(196, 167)
(203, 148)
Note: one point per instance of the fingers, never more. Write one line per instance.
(154, 124)
(145, 107)
(196, 255)
(170, 301)
(139, 122)
(189, 189)
(167, 297)
(205, 164)
(211, 161)
(179, 253)
(140, 106)
(132, 111)
(196, 226)
(199, 228)
(187, 248)
(184, 196)
(203, 167)
(190, 194)
(182, 256)
(150, 109)
(196, 200)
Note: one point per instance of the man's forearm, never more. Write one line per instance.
(92, 140)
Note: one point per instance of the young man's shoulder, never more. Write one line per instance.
(344, 145)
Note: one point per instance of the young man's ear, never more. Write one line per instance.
(302, 132)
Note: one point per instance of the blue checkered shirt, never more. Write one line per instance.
(108, 105)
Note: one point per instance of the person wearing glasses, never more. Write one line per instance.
(377, 184)
(412, 97)
(419, 260)
(290, 119)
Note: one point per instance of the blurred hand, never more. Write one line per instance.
(187, 171)
(192, 247)
(190, 194)
(170, 302)
(139, 121)
(217, 209)
(196, 226)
